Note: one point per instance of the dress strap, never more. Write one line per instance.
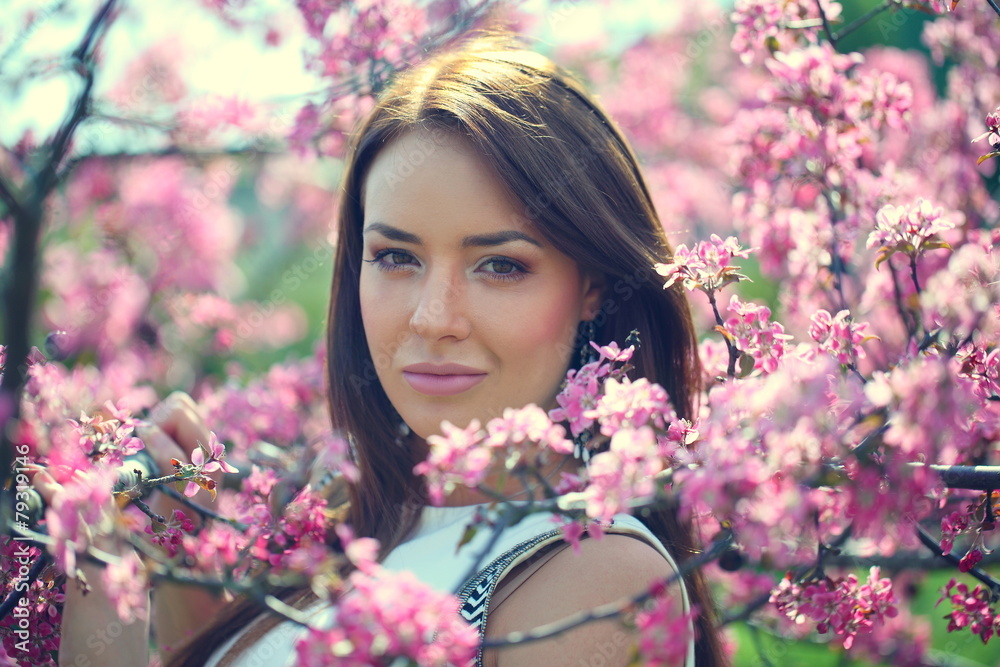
(476, 594)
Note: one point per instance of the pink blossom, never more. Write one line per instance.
(628, 404)
(623, 472)
(839, 336)
(970, 560)
(952, 525)
(612, 353)
(108, 435)
(578, 396)
(704, 267)
(81, 508)
(386, 615)
(361, 551)
(752, 331)
(125, 582)
(930, 408)
(992, 134)
(209, 457)
(214, 118)
(523, 431)
(761, 25)
(971, 609)
(302, 525)
(844, 606)
(962, 296)
(456, 456)
(909, 229)
(665, 632)
(40, 626)
(170, 534)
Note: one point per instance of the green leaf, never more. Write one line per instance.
(470, 532)
(884, 253)
(746, 365)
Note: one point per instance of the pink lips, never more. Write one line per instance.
(442, 379)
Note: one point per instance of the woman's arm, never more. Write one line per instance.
(606, 570)
(92, 633)
(179, 611)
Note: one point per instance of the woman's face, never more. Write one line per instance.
(466, 309)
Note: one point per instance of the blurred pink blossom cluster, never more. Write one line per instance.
(463, 456)
(845, 607)
(664, 631)
(838, 336)
(766, 26)
(971, 609)
(386, 614)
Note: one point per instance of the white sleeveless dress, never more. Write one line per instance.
(430, 555)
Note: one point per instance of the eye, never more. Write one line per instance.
(391, 259)
(504, 269)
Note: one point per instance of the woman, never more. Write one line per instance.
(490, 211)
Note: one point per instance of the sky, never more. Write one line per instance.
(219, 60)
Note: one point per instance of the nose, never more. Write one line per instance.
(441, 309)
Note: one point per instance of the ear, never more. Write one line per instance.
(593, 294)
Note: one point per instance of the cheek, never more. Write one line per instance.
(544, 331)
(380, 320)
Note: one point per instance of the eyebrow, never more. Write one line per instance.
(476, 240)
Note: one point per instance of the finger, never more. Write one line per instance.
(161, 447)
(180, 419)
(44, 483)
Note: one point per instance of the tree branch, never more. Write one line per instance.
(977, 478)
(22, 281)
(14, 208)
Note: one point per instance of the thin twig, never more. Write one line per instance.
(498, 528)
(734, 353)
(830, 34)
(865, 18)
(144, 508)
(202, 511)
(935, 548)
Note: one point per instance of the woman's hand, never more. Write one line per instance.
(175, 429)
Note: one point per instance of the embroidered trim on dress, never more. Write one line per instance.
(476, 593)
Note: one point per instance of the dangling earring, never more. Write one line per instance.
(402, 432)
(580, 451)
(586, 332)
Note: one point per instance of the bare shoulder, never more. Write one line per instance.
(604, 571)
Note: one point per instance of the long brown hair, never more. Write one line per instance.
(579, 182)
